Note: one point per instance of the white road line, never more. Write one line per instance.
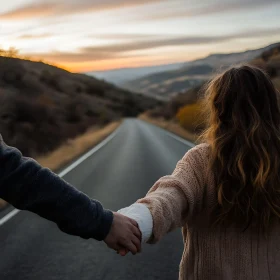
(88, 154)
(8, 216)
(68, 169)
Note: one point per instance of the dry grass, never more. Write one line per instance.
(73, 148)
(171, 126)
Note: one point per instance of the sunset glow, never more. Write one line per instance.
(89, 35)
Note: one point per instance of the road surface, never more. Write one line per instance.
(117, 174)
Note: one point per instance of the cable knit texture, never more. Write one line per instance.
(185, 199)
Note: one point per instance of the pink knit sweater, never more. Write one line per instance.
(185, 199)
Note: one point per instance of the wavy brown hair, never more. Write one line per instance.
(244, 135)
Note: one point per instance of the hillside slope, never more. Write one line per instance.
(124, 75)
(169, 83)
(42, 106)
(185, 108)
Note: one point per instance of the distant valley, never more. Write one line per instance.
(185, 108)
(167, 81)
(124, 75)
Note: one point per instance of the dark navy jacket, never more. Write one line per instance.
(28, 186)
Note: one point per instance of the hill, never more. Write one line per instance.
(124, 75)
(169, 83)
(42, 106)
(185, 108)
(270, 62)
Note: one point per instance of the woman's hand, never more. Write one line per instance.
(124, 235)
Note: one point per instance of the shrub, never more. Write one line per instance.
(11, 71)
(156, 112)
(73, 112)
(30, 85)
(45, 76)
(190, 117)
(30, 118)
(79, 89)
(96, 90)
(104, 118)
(12, 76)
(51, 80)
(45, 100)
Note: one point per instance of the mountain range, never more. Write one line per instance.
(124, 75)
(167, 81)
(268, 60)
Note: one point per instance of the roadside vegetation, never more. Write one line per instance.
(170, 125)
(43, 108)
(186, 110)
(73, 148)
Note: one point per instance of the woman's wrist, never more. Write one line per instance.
(142, 215)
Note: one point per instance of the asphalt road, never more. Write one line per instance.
(118, 174)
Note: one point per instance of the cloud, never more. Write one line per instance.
(257, 33)
(218, 8)
(127, 36)
(179, 41)
(121, 50)
(34, 36)
(30, 11)
(45, 8)
(68, 7)
(73, 57)
(81, 56)
(143, 45)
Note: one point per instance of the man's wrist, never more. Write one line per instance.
(105, 225)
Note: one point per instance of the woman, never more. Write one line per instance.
(225, 193)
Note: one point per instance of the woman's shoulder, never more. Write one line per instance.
(199, 152)
(203, 147)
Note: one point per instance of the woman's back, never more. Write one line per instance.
(237, 232)
(224, 252)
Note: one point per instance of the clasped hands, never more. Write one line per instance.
(124, 235)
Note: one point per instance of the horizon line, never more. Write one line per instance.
(178, 62)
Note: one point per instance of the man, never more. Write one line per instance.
(28, 186)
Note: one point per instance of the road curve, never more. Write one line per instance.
(118, 174)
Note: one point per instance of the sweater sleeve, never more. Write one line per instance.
(142, 215)
(174, 199)
(28, 186)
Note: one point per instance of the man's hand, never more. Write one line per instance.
(124, 234)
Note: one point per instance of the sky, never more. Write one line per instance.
(85, 35)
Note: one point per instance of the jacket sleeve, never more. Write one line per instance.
(174, 199)
(28, 186)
